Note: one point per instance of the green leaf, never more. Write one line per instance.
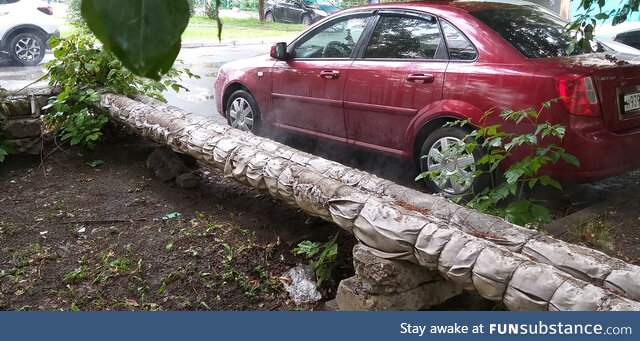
(307, 248)
(540, 213)
(570, 159)
(518, 212)
(95, 163)
(547, 181)
(513, 174)
(143, 34)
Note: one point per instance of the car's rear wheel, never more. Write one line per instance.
(243, 112)
(269, 17)
(26, 49)
(306, 20)
(456, 166)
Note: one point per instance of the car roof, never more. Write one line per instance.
(463, 5)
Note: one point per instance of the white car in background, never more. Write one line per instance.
(25, 28)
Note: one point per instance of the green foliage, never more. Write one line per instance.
(352, 3)
(596, 232)
(79, 68)
(6, 147)
(145, 37)
(506, 198)
(583, 26)
(73, 11)
(324, 256)
(211, 11)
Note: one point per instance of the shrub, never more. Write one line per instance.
(506, 199)
(82, 68)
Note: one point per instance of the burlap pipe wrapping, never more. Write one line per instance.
(367, 206)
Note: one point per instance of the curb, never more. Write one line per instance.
(214, 43)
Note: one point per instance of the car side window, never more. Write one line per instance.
(404, 37)
(335, 40)
(458, 45)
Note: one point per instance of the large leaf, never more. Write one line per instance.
(143, 34)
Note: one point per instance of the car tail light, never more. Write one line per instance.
(578, 95)
(46, 10)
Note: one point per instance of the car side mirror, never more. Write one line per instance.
(279, 51)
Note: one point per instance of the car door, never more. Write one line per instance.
(294, 10)
(399, 71)
(307, 89)
(280, 10)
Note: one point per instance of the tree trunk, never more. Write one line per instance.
(369, 208)
(261, 9)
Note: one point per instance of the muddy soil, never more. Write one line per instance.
(75, 235)
(86, 230)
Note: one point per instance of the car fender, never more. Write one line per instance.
(25, 27)
(257, 82)
(444, 109)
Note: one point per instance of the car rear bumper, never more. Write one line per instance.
(601, 153)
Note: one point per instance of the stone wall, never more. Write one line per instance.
(21, 123)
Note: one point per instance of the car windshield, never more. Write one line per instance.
(534, 32)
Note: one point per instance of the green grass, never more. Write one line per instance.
(211, 33)
(248, 23)
(232, 29)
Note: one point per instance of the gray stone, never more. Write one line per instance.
(29, 146)
(19, 108)
(166, 165)
(21, 128)
(186, 181)
(351, 296)
(331, 305)
(383, 276)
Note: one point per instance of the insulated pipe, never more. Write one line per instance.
(396, 228)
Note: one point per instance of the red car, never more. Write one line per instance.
(388, 77)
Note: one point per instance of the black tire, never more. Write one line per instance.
(434, 142)
(27, 49)
(236, 103)
(269, 17)
(306, 20)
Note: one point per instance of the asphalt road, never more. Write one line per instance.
(203, 61)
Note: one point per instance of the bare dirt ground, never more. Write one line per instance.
(75, 237)
(78, 237)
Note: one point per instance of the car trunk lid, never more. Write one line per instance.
(616, 78)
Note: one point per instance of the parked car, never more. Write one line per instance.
(25, 28)
(388, 77)
(631, 38)
(298, 11)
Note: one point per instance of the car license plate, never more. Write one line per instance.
(631, 102)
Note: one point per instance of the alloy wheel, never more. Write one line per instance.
(454, 166)
(27, 49)
(241, 115)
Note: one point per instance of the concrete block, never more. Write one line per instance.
(21, 128)
(186, 181)
(29, 146)
(165, 164)
(383, 276)
(351, 296)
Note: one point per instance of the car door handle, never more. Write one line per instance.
(330, 74)
(420, 78)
